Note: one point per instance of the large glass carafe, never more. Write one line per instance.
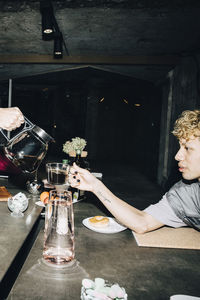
(59, 229)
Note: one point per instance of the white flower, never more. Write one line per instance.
(87, 283)
(116, 292)
(67, 147)
(99, 289)
(78, 144)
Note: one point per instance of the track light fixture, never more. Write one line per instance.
(50, 28)
(58, 45)
(46, 10)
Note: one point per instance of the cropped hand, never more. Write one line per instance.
(11, 118)
(82, 179)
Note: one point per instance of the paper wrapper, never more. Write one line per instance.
(73, 154)
(167, 237)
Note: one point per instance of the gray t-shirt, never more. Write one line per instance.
(179, 207)
(163, 212)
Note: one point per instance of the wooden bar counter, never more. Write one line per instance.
(145, 273)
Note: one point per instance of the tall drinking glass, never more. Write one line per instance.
(59, 229)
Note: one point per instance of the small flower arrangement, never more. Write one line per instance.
(77, 145)
(99, 289)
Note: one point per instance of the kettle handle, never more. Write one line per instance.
(27, 125)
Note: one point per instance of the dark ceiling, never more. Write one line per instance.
(143, 39)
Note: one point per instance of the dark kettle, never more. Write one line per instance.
(28, 147)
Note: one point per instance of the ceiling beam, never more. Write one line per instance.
(105, 60)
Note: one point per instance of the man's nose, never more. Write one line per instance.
(179, 155)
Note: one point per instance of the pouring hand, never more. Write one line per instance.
(11, 118)
(82, 179)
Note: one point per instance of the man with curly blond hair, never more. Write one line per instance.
(180, 206)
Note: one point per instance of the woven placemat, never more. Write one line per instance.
(167, 237)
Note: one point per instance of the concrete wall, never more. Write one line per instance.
(180, 92)
(120, 131)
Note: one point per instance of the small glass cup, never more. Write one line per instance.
(59, 229)
(18, 204)
(57, 173)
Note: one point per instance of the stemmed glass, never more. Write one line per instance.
(35, 186)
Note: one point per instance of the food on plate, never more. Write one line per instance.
(99, 221)
(44, 197)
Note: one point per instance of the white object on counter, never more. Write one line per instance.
(113, 226)
(183, 297)
(18, 204)
(99, 289)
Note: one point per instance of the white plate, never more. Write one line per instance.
(183, 297)
(113, 226)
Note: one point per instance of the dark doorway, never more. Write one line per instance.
(119, 116)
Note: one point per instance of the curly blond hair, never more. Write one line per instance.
(187, 125)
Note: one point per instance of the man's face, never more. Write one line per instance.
(188, 157)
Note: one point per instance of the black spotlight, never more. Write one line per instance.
(58, 44)
(46, 10)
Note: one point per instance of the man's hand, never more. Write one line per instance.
(11, 118)
(82, 179)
